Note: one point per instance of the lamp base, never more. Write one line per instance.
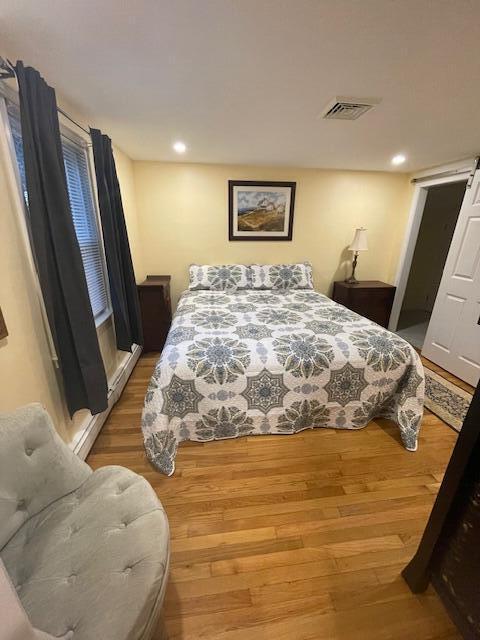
(352, 279)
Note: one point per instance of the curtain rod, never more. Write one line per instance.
(65, 114)
(7, 70)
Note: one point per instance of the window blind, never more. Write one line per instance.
(80, 193)
(84, 219)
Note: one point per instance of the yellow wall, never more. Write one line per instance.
(127, 186)
(182, 212)
(27, 373)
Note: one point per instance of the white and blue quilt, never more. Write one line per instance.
(248, 362)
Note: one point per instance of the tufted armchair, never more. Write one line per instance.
(87, 552)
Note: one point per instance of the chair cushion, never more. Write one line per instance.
(36, 467)
(95, 561)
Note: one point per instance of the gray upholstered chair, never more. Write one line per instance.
(87, 552)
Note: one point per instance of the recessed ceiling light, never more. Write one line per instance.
(398, 159)
(179, 147)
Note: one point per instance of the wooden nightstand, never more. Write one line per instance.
(370, 298)
(156, 310)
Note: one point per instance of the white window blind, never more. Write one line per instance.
(82, 206)
(84, 220)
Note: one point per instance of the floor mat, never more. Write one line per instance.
(446, 400)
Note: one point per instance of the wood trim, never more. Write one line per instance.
(86, 436)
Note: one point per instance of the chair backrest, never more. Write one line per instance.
(36, 467)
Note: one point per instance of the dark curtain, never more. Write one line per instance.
(123, 289)
(55, 245)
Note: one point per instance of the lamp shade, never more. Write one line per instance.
(359, 242)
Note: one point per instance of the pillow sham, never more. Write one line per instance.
(282, 276)
(223, 277)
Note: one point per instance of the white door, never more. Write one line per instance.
(453, 336)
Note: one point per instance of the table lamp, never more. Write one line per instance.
(359, 243)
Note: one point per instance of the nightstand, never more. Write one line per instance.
(156, 311)
(370, 298)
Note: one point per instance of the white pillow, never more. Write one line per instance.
(223, 277)
(282, 276)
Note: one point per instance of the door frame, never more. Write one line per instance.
(446, 174)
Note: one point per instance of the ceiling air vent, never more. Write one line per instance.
(341, 108)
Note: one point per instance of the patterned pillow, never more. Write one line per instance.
(282, 276)
(224, 277)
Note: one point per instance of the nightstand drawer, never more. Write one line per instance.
(369, 298)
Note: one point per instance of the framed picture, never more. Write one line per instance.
(3, 327)
(260, 210)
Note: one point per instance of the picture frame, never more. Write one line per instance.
(3, 327)
(260, 210)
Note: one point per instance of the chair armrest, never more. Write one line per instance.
(15, 623)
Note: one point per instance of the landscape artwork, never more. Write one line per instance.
(261, 210)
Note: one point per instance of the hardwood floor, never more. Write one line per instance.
(291, 537)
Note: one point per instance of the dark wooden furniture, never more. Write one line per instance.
(156, 310)
(370, 298)
(448, 555)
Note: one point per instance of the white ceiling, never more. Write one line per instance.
(243, 81)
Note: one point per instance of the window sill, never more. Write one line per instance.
(102, 318)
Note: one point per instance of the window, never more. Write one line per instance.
(82, 205)
(85, 222)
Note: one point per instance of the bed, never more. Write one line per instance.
(252, 358)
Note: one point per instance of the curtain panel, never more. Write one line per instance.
(56, 250)
(123, 288)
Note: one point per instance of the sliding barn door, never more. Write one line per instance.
(453, 336)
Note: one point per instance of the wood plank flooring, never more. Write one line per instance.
(298, 537)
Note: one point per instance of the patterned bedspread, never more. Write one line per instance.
(257, 362)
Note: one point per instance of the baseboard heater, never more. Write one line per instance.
(86, 435)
